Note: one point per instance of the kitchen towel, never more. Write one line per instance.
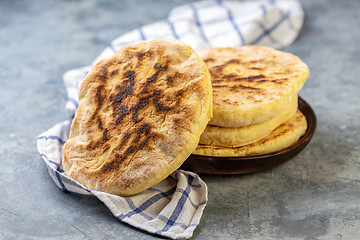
(173, 208)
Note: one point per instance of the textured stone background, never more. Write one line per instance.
(316, 195)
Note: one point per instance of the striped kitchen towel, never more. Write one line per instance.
(173, 208)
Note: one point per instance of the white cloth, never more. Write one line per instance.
(173, 208)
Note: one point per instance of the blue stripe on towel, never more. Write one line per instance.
(61, 182)
(53, 138)
(74, 102)
(198, 23)
(57, 173)
(231, 19)
(50, 161)
(268, 31)
(179, 207)
(112, 47)
(141, 34)
(172, 28)
(146, 204)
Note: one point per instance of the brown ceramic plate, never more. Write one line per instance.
(239, 165)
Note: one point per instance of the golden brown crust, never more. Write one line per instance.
(140, 115)
(236, 137)
(283, 136)
(252, 84)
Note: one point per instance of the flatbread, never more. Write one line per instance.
(252, 84)
(283, 136)
(140, 115)
(236, 137)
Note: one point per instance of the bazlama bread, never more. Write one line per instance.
(252, 84)
(140, 115)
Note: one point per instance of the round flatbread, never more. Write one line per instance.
(236, 137)
(140, 115)
(283, 136)
(252, 84)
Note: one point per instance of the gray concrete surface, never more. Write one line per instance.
(316, 195)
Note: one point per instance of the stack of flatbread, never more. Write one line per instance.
(144, 110)
(255, 101)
